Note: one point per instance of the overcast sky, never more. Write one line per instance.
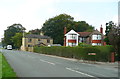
(33, 13)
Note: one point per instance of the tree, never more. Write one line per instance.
(17, 40)
(82, 26)
(11, 31)
(35, 31)
(109, 25)
(54, 27)
(114, 39)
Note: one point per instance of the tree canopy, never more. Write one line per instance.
(54, 27)
(114, 39)
(17, 40)
(109, 26)
(10, 32)
(35, 31)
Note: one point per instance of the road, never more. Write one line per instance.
(28, 64)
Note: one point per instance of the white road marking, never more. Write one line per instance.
(80, 72)
(47, 62)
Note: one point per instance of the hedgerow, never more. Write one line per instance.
(103, 53)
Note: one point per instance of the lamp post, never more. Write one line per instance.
(23, 39)
(23, 30)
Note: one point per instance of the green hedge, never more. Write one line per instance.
(102, 52)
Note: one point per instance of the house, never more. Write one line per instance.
(31, 40)
(73, 38)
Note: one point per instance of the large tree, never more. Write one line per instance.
(11, 31)
(114, 39)
(109, 26)
(54, 27)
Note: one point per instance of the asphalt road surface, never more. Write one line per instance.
(28, 64)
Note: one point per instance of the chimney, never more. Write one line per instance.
(101, 29)
(65, 30)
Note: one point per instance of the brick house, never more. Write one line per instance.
(73, 38)
(31, 40)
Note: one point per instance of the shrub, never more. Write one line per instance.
(84, 45)
(102, 52)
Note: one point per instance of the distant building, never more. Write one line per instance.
(72, 38)
(31, 40)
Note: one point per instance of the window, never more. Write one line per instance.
(96, 44)
(29, 40)
(48, 40)
(96, 37)
(99, 44)
(99, 37)
(29, 45)
(72, 36)
(71, 44)
(82, 39)
(39, 39)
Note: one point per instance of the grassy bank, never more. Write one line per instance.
(6, 70)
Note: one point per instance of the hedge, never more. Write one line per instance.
(103, 53)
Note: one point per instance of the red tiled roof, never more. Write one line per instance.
(84, 34)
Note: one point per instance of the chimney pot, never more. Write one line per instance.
(101, 29)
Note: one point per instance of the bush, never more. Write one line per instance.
(84, 45)
(102, 52)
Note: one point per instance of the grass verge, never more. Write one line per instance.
(6, 70)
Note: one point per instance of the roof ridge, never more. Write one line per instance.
(86, 32)
(36, 36)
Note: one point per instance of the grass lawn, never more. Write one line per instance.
(5, 70)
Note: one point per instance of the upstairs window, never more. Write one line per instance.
(72, 36)
(29, 40)
(96, 37)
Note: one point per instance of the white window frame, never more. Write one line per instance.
(96, 37)
(72, 36)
